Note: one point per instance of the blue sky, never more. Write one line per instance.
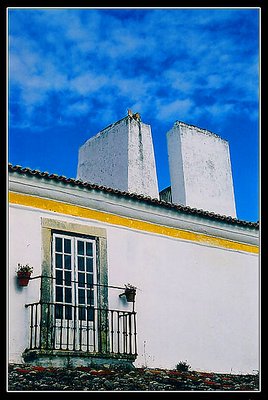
(72, 72)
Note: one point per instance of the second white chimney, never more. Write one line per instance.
(200, 169)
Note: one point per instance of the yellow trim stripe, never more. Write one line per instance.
(74, 210)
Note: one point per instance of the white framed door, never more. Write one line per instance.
(74, 292)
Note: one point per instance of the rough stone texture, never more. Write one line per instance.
(29, 378)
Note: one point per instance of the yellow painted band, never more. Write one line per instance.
(74, 210)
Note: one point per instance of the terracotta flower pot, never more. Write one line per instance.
(23, 278)
(130, 295)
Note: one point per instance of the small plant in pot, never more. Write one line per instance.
(24, 273)
(130, 293)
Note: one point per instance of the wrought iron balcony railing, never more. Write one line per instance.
(59, 326)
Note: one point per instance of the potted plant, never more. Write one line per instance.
(24, 273)
(130, 293)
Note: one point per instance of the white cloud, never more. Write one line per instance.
(87, 83)
(184, 82)
(80, 107)
(85, 53)
(214, 81)
(135, 88)
(174, 110)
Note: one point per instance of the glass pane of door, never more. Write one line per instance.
(86, 291)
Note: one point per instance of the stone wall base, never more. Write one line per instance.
(73, 359)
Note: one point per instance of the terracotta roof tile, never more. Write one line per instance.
(147, 199)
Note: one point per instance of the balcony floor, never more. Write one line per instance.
(65, 358)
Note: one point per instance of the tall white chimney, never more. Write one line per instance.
(200, 169)
(121, 156)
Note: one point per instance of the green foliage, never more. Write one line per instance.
(182, 366)
(24, 268)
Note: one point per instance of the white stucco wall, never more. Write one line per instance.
(200, 169)
(194, 302)
(121, 157)
(24, 248)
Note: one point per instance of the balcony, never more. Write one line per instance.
(80, 331)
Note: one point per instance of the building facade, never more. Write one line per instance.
(196, 276)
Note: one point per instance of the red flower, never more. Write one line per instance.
(23, 371)
(39, 368)
(176, 373)
(193, 378)
(211, 383)
(85, 369)
(155, 371)
(101, 372)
